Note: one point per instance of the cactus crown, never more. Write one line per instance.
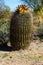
(23, 9)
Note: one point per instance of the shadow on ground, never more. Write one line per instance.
(5, 48)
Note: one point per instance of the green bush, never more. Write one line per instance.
(38, 32)
(4, 31)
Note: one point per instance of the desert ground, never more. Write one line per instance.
(33, 55)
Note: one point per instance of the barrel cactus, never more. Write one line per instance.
(21, 28)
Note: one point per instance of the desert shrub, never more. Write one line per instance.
(38, 31)
(4, 31)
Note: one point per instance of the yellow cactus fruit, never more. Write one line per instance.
(23, 9)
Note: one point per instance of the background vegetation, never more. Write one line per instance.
(36, 7)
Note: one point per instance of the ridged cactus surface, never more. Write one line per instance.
(20, 30)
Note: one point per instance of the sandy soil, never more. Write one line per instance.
(31, 56)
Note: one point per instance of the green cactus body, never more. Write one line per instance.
(20, 30)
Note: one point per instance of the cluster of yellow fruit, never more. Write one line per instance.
(23, 9)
